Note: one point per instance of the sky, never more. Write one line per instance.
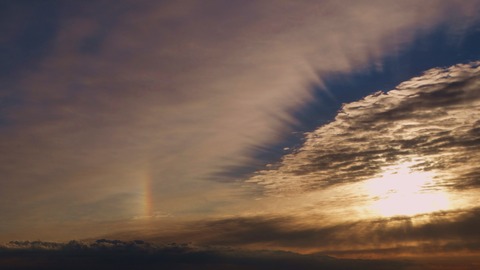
(330, 130)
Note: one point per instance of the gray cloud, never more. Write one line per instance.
(432, 119)
(433, 234)
(138, 254)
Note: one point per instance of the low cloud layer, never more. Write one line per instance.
(138, 254)
(115, 254)
(440, 234)
(427, 234)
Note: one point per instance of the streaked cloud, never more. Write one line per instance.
(448, 233)
(430, 234)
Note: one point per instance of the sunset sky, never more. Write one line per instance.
(342, 128)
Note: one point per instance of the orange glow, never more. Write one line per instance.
(403, 191)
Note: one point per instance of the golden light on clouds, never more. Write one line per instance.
(425, 131)
(402, 190)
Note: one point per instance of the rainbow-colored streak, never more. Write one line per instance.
(148, 210)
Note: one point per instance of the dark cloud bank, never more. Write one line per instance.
(441, 240)
(116, 254)
(449, 240)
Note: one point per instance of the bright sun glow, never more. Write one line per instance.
(403, 191)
